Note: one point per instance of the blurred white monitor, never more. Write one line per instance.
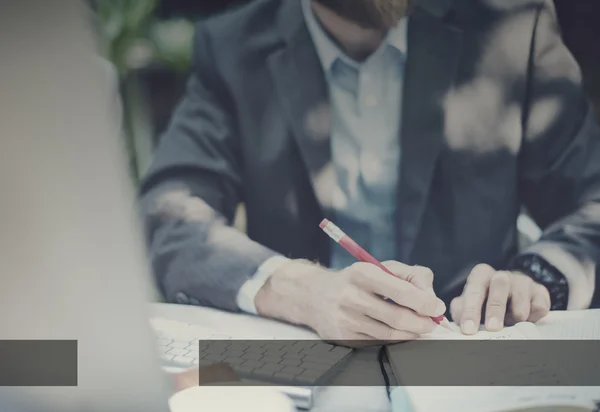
(72, 264)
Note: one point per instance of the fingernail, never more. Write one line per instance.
(440, 309)
(468, 327)
(494, 324)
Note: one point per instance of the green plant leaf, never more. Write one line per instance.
(173, 42)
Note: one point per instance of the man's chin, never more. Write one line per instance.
(357, 12)
(382, 25)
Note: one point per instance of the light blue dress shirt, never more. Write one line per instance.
(366, 101)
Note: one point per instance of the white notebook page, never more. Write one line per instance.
(582, 324)
(524, 330)
(495, 399)
(558, 325)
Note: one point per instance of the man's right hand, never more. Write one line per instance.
(347, 306)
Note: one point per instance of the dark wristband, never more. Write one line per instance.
(545, 274)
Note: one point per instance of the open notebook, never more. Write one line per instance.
(583, 325)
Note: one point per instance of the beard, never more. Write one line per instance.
(371, 14)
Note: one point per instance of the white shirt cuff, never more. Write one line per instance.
(580, 275)
(249, 290)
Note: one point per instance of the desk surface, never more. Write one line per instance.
(338, 397)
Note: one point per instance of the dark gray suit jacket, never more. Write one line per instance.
(493, 118)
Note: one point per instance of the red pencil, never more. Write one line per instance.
(361, 254)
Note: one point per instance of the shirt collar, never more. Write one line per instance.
(329, 52)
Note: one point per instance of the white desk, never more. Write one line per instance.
(338, 397)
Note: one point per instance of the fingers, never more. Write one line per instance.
(355, 340)
(358, 330)
(374, 280)
(391, 315)
(520, 300)
(456, 307)
(540, 303)
(419, 276)
(474, 295)
(511, 298)
(382, 332)
(498, 294)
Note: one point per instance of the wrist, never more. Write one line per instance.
(542, 272)
(286, 294)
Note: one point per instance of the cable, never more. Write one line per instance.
(386, 378)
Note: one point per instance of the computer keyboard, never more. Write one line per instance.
(281, 362)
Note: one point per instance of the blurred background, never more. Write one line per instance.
(149, 42)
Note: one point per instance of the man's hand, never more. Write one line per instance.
(348, 306)
(504, 297)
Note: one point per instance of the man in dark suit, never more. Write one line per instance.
(420, 127)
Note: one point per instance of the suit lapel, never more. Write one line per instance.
(303, 95)
(433, 56)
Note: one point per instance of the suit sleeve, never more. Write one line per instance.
(190, 195)
(560, 161)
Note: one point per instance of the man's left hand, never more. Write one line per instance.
(502, 298)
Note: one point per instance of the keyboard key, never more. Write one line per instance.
(238, 346)
(304, 344)
(291, 350)
(183, 336)
(215, 349)
(293, 370)
(274, 345)
(177, 352)
(290, 362)
(277, 353)
(251, 356)
(273, 367)
(164, 349)
(163, 342)
(179, 344)
(234, 361)
(267, 358)
(251, 364)
(295, 355)
(321, 348)
(233, 353)
(167, 357)
(256, 349)
(193, 347)
(214, 358)
(183, 359)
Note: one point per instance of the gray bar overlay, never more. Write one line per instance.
(38, 363)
